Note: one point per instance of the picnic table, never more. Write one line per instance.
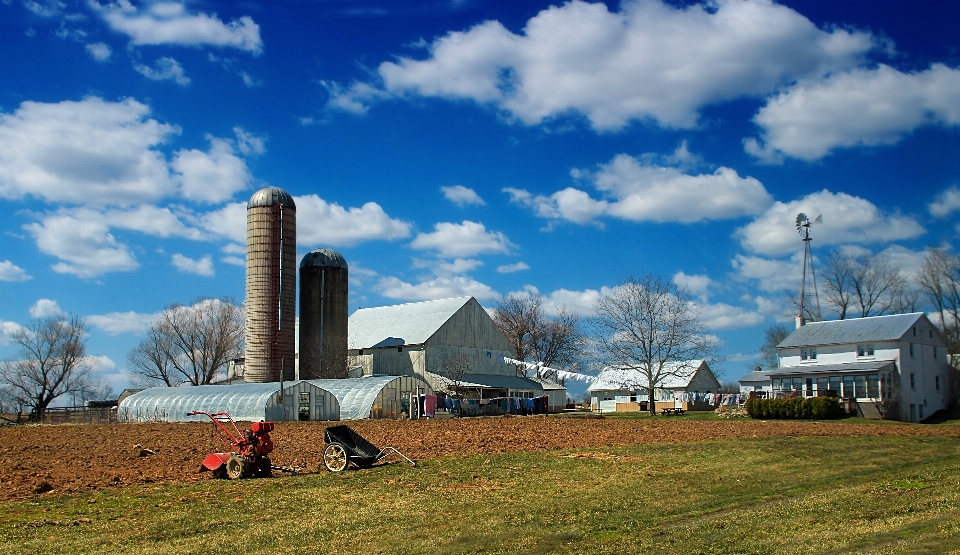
(667, 411)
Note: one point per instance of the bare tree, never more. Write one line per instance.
(651, 326)
(516, 317)
(189, 344)
(455, 367)
(939, 279)
(774, 335)
(535, 336)
(51, 363)
(871, 285)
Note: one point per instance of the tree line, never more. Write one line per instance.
(645, 323)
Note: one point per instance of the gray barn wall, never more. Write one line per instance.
(703, 381)
(471, 326)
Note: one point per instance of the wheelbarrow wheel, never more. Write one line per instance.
(237, 468)
(335, 457)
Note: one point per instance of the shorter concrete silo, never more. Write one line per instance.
(323, 315)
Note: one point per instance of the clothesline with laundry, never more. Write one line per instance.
(546, 371)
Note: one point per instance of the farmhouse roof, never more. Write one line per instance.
(854, 330)
(807, 369)
(400, 324)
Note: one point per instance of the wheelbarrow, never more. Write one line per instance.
(345, 446)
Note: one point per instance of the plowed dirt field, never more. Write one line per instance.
(67, 459)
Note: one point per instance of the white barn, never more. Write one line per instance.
(423, 338)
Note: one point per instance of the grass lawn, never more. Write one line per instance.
(783, 495)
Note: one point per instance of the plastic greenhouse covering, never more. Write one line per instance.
(356, 395)
(171, 404)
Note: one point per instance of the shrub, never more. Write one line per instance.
(819, 408)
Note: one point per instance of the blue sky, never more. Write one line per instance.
(467, 147)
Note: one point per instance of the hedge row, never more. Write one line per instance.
(818, 408)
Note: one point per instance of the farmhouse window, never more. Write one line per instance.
(848, 391)
(808, 354)
(937, 381)
(913, 384)
(864, 350)
(911, 350)
(836, 384)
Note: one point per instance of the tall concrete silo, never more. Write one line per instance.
(271, 285)
(323, 315)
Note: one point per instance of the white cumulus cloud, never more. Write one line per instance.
(511, 268)
(638, 189)
(859, 107)
(439, 288)
(89, 152)
(171, 23)
(122, 322)
(696, 284)
(85, 247)
(463, 239)
(770, 275)
(100, 52)
(200, 267)
(7, 329)
(946, 203)
(721, 316)
(846, 219)
(322, 223)
(441, 268)
(45, 307)
(11, 272)
(166, 69)
(462, 196)
(212, 176)
(648, 61)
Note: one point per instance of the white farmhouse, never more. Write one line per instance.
(625, 390)
(893, 367)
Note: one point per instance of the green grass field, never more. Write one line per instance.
(787, 495)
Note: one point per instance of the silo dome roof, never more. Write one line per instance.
(271, 196)
(323, 258)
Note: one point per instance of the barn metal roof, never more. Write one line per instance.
(356, 395)
(400, 324)
(613, 378)
(806, 369)
(854, 330)
(271, 196)
(323, 258)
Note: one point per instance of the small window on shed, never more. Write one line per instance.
(399, 349)
(937, 381)
(931, 333)
(911, 350)
(934, 351)
(914, 331)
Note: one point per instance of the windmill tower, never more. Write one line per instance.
(809, 300)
